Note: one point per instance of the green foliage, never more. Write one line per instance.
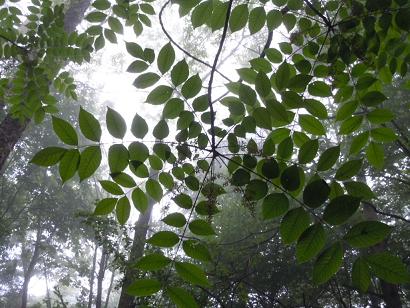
(274, 140)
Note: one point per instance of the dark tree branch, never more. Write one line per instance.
(386, 214)
(211, 78)
(323, 17)
(180, 47)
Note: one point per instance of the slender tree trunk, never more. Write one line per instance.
(92, 276)
(29, 272)
(48, 298)
(107, 298)
(390, 291)
(100, 278)
(11, 129)
(137, 250)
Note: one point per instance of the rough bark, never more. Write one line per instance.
(92, 276)
(11, 129)
(30, 269)
(137, 250)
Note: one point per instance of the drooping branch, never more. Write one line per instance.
(161, 22)
(211, 78)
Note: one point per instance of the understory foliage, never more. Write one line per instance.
(296, 133)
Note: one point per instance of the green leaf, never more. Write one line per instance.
(350, 125)
(89, 125)
(274, 205)
(308, 151)
(274, 20)
(282, 76)
(388, 267)
(181, 298)
(154, 189)
(201, 14)
(173, 108)
(152, 262)
(346, 110)
(320, 89)
(359, 190)
(123, 210)
(48, 156)
(137, 66)
(191, 273)
(373, 98)
(111, 187)
(115, 25)
(159, 95)
(257, 18)
(201, 227)
(310, 243)
(315, 108)
(65, 131)
(299, 82)
(123, 179)
(293, 224)
(274, 55)
(161, 130)
(349, 169)
(383, 134)
(328, 158)
(191, 87)
(105, 206)
(138, 151)
(183, 200)
(175, 220)
(240, 177)
(139, 126)
(375, 155)
(316, 193)
(144, 287)
(285, 148)
(270, 168)
(134, 50)
(196, 250)
(101, 4)
(290, 178)
(256, 190)
(115, 124)
(179, 73)
(262, 118)
(96, 17)
(118, 158)
(328, 263)
(140, 200)
(239, 17)
(166, 58)
(146, 80)
(166, 239)
(311, 125)
(367, 233)
(358, 143)
(379, 116)
(219, 15)
(361, 274)
(262, 85)
(69, 164)
(89, 162)
(340, 209)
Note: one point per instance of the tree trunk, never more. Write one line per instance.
(390, 291)
(107, 298)
(100, 278)
(48, 297)
(137, 250)
(29, 272)
(92, 276)
(11, 129)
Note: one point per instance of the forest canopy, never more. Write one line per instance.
(263, 163)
